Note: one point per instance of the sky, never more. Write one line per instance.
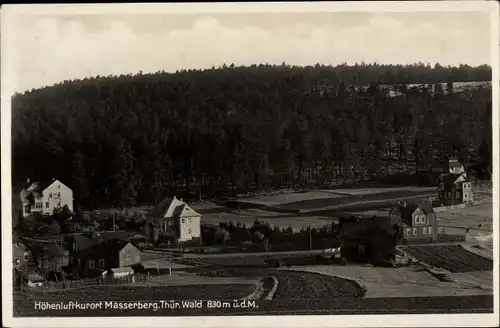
(52, 48)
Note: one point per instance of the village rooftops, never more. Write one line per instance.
(450, 179)
(172, 207)
(110, 246)
(356, 227)
(83, 242)
(103, 236)
(38, 187)
(46, 250)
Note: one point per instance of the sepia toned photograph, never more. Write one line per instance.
(247, 162)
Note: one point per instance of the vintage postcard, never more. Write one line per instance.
(250, 164)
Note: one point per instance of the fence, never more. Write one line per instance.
(464, 205)
(90, 282)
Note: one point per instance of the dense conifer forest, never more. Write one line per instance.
(128, 139)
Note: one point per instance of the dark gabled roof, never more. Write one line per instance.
(160, 209)
(178, 210)
(39, 186)
(407, 211)
(449, 179)
(363, 228)
(113, 245)
(48, 250)
(426, 208)
(84, 242)
(107, 235)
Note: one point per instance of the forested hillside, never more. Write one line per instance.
(125, 139)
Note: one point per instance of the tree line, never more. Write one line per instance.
(128, 139)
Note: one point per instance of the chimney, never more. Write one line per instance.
(53, 179)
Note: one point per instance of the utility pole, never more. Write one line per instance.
(310, 236)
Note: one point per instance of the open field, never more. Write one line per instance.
(478, 219)
(296, 222)
(297, 286)
(327, 202)
(324, 198)
(452, 258)
(398, 282)
(374, 191)
(286, 198)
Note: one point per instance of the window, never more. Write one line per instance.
(101, 263)
(46, 204)
(91, 264)
(408, 231)
(458, 194)
(189, 231)
(26, 256)
(419, 219)
(424, 230)
(361, 249)
(466, 195)
(188, 221)
(17, 260)
(430, 230)
(414, 231)
(449, 194)
(183, 221)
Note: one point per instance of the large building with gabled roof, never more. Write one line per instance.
(455, 189)
(175, 219)
(44, 197)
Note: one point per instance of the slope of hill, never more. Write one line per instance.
(121, 140)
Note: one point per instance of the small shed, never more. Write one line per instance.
(120, 272)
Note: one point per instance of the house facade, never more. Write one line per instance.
(432, 170)
(112, 254)
(175, 219)
(21, 254)
(45, 196)
(454, 189)
(417, 221)
(50, 257)
(371, 240)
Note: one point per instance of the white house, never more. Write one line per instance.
(46, 196)
(455, 167)
(176, 219)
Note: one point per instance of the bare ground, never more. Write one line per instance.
(401, 282)
(478, 219)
